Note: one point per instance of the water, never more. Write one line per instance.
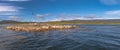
(88, 37)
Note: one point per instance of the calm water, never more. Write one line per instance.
(88, 37)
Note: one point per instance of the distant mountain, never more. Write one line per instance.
(97, 20)
(8, 21)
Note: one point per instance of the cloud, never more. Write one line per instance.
(15, 18)
(42, 15)
(7, 9)
(60, 17)
(8, 13)
(90, 16)
(16, 0)
(113, 13)
(110, 2)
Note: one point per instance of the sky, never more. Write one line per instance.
(56, 10)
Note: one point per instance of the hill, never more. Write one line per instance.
(8, 21)
(100, 21)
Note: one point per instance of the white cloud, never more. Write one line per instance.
(7, 9)
(110, 2)
(8, 13)
(42, 15)
(113, 13)
(60, 17)
(90, 16)
(16, 18)
(16, 0)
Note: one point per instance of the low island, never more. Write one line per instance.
(34, 27)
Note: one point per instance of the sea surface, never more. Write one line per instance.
(87, 37)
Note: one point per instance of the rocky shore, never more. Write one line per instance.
(38, 27)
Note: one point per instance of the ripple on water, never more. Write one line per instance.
(88, 37)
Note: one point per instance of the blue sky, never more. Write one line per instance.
(54, 10)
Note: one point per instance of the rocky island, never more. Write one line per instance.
(34, 27)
